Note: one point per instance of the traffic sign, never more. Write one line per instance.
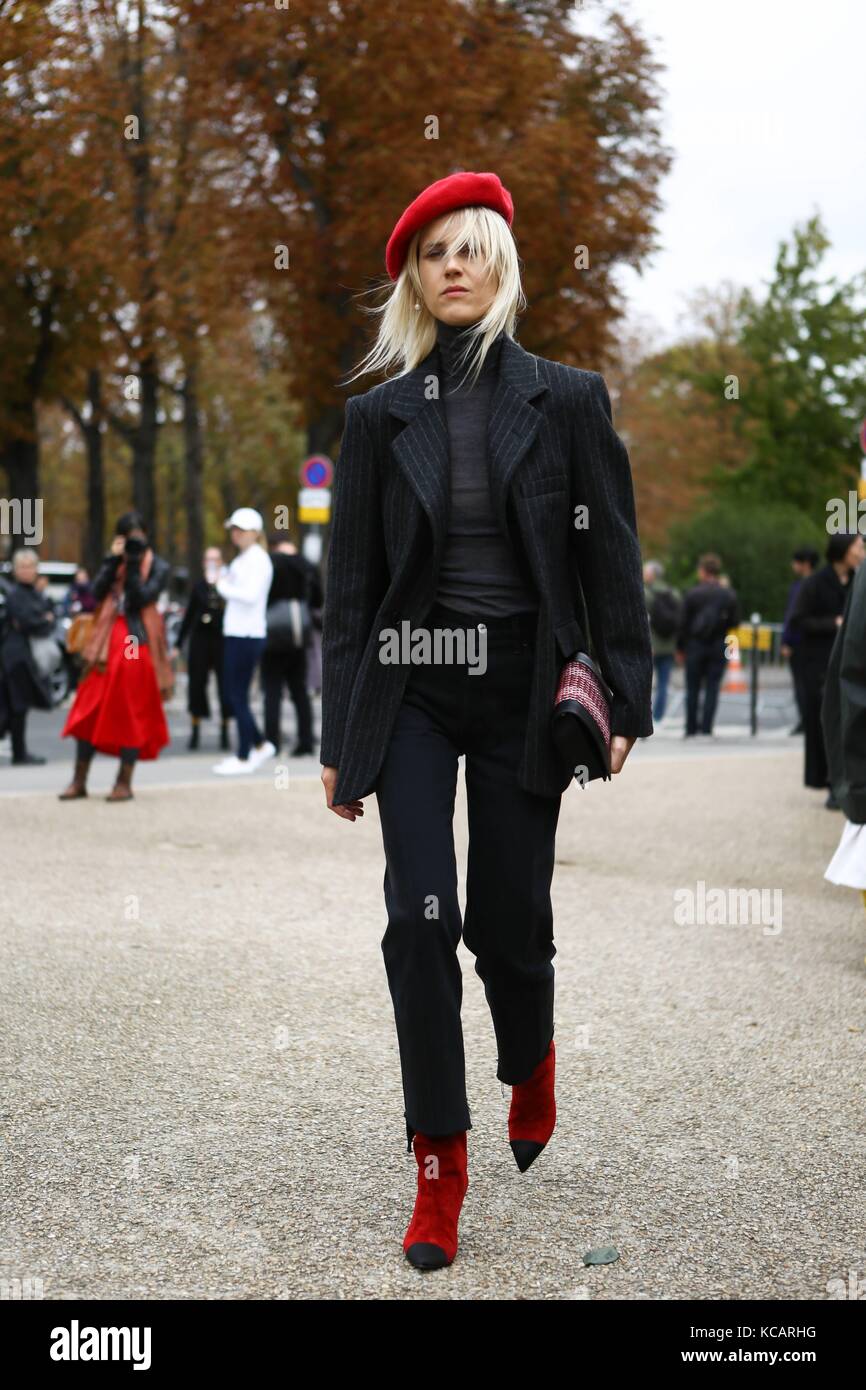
(317, 471)
(314, 497)
(314, 505)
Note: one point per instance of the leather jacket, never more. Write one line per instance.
(137, 592)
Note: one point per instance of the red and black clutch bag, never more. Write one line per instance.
(581, 719)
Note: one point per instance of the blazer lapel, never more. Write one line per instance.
(422, 448)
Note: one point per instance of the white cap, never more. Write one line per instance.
(246, 519)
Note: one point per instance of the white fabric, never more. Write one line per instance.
(245, 586)
(848, 865)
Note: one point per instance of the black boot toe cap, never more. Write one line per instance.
(423, 1255)
(525, 1152)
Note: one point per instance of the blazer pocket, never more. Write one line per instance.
(554, 482)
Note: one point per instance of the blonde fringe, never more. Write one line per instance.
(406, 335)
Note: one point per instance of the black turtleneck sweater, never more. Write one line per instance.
(479, 572)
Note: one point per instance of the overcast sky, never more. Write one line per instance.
(765, 111)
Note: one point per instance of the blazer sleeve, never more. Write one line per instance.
(356, 578)
(609, 563)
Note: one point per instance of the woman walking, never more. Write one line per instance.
(457, 498)
(118, 704)
(818, 615)
(843, 721)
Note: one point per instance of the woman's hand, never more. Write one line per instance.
(620, 747)
(350, 809)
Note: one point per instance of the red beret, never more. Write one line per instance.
(456, 191)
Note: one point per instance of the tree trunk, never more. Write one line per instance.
(325, 425)
(92, 429)
(193, 472)
(20, 460)
(144, 449)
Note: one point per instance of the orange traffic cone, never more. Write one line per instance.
(735, 681)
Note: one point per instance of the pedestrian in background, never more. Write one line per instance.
(23, 685)
(245, 585)
(203, 626)
(79, 597)
(843, 724)
(803, 562)
(710, 610)
(290, 632)
(118, 705)
(818, 615)
(665, 610)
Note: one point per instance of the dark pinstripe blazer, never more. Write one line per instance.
(551, 447)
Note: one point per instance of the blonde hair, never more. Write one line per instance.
(407, 331)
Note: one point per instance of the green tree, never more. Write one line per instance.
(807, 341)
(754, 541)
(800, 360)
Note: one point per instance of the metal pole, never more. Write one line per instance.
(753, 694)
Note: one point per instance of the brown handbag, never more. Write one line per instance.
(78, 633)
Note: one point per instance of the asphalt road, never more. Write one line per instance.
(176, 765)
(201, 1090)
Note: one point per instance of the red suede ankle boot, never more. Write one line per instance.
(431, 1238)
(532, 1115)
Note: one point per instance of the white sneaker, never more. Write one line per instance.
(233, 767)
(261, 755)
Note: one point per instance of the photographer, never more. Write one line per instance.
(127, 675)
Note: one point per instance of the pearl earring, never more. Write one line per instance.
(417, 305)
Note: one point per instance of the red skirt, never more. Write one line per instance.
(120, 707)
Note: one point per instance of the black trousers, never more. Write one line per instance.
(17, 729)
(289, 669)
(814, 674)
(705, 667)
(796, 663)
(205, 655)
(508, 924)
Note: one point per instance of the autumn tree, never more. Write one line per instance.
(46, 215)
(348, 110)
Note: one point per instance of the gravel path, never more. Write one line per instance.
(201, 1088)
